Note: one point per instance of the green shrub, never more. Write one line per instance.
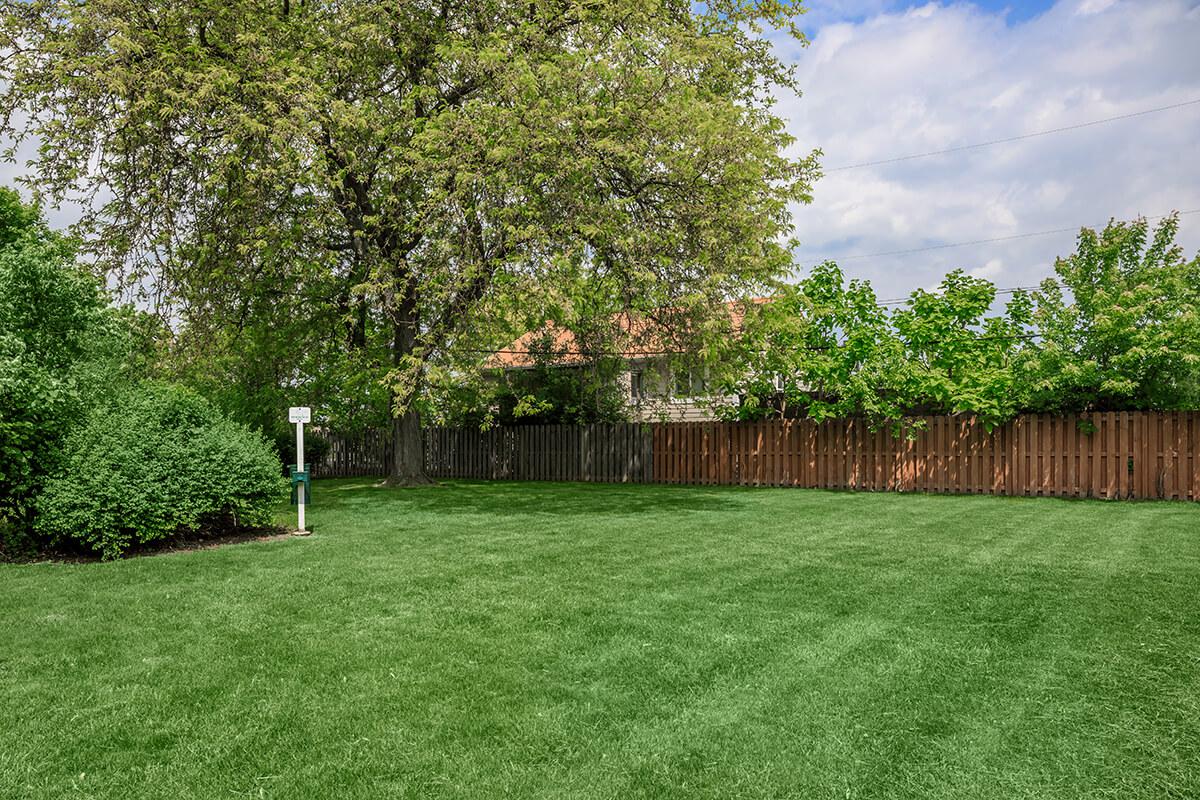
(316, 447)
(157, 461)
(51, 317)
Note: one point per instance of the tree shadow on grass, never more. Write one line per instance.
(513, 498)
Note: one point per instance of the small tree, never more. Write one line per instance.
(1120, 327)
(821, 348)
(957, 356)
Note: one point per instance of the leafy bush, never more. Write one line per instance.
(156, 462)
(316, 447)
(52, 319)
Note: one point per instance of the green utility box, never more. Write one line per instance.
(300, 476)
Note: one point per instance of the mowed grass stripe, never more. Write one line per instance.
(554, 640)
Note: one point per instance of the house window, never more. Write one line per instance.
(690, 383)
(637, 388)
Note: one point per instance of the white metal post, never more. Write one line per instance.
(300, 415)
(300, 498)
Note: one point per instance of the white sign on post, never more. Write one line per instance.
(300, 415)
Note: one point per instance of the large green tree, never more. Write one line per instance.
(402, 168)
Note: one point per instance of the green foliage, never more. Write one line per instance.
(555, 385)
(956, 357)
(1118, 330)
(17, 218)
(157, 461)
(254, 375)
(52, 321)
(574, 395)
(820, 349)
(399, 177)
(60, 343)
(316, 446)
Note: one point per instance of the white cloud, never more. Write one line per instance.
(1094, 6)
(993, 270)
(945, 75)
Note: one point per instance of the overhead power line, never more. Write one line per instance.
(898, 301)
(986, 337)
(992, 240)
(636, 353)
(1008, 139)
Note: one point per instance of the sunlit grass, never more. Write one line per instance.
(552, 640)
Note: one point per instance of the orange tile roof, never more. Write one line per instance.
(520, 352)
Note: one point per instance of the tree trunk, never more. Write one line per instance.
(408, 445)
(408, 451)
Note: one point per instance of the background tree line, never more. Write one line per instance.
(1116, 328)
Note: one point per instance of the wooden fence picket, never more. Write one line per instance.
(1099, 454)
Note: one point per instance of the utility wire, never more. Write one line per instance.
(889, 302)
(643, 353)
(992, 240)
(1008, 139)
(896, 301)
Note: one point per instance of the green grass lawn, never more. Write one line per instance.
(558, 641)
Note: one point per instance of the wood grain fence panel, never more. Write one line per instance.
(819, 443)
(1012, 471)
(927, 460)
(812, 455)
(1045, 454)
(1124, 452)
(954, 466)
(1111, 455)
(1139, 454)
(1178, 459)
(1153, 466)
(1163, 446)
(841, 464)
(677, 467)
(940, 447)
(1194, 455)
(1100, 454)
(779, 452)
(1092, 449)
(1176, 447)
(1071, 453)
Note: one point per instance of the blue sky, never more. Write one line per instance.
(888, 78)
(822, 12)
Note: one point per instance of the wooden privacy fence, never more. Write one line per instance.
(356, 455)
(619, 452)
(1108, 455)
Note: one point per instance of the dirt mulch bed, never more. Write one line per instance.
(175, 544)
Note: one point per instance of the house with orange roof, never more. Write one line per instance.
(655, 382)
